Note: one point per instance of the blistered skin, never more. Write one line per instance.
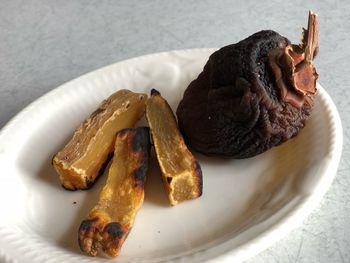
(234, 109)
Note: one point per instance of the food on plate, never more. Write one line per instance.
(251, 95)
(83, 158)
(109, 222)
(181, 173)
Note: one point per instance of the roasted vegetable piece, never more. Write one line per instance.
(182, 175)
(251, 95)
(109, 222)
(85, 155)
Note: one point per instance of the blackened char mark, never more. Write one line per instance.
(140, 175)
(113, 235)
(68, 189)
(114, 230)
(198, 172)
(124, 132)
(155, 92)
(141, 140)
(141, 145)
(88, 224)
(169, 180)
(89, 229)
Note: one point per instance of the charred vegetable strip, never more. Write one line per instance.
(81, 160)
(182, 175)
(109, 222)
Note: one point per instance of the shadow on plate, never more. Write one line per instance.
(35, 161)
(69, 239)
(279, 185)
(273, 191)
(154, 189)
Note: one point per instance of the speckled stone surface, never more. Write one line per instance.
(46, 43)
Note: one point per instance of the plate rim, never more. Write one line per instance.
(273, 233)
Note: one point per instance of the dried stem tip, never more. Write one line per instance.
(310, 38)
(295, 75)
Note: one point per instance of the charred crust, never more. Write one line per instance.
(87, 235)
(141, 146)
(114, 230)
(140, 174)
(95, 234)
(68, 189)
(87, 225)
(155, 92)
(141, 140)
(198, 172)
(113, 236)
(98, 232)
(123, 132)
(169, 180)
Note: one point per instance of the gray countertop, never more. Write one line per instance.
(46, 43)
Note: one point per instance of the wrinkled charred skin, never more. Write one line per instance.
(233, 109)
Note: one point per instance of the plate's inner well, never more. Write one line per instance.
(241, 198)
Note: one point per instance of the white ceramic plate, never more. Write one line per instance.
(246, 206)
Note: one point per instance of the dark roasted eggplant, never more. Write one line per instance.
(252, 95)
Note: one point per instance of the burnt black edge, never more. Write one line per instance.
(141, 141)
(124, 131)
(169, 179)
(114, 230)
(198, 171)
(141, 144)
(68, 189)
(155, 92)
(85, 225)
